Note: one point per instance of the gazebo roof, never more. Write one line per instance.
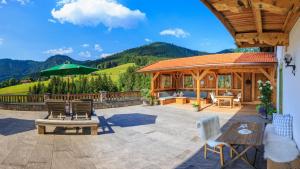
(213, 60)
(257, 22)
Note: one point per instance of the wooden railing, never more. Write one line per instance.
(100, 97)
(21, 98)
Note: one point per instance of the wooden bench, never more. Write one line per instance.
(92, 123)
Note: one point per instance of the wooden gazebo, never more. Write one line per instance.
(259, 23)
(218, 73)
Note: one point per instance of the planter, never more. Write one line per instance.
(196, 109)
(146, 103)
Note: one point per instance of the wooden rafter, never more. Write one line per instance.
(220, 17)
(257, 17)
(271, 39)
(273, 20)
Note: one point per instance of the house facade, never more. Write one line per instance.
(289, 92)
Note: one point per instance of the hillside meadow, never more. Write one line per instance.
(114, 73)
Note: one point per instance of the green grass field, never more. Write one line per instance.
(24, 88)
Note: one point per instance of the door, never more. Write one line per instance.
(247, 87)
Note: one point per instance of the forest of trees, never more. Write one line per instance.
(59, 85)
(133, 81)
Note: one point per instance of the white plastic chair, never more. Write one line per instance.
(209, 131)
(213, 98)
(238, 99)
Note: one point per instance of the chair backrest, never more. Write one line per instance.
(212, 95)
(82, 108)
(56, 107)
(239, 96)
(208, 127)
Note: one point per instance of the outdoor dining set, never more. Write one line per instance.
(243, 136)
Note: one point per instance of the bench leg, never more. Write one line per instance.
(41, 129)
(94, 130)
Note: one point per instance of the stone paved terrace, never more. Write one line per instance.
(136, 137)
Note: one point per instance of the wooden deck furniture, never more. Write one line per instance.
(56, 109)
(181, 100)
(222, 99)
(244, 141)
(82, 109)
(92, 123)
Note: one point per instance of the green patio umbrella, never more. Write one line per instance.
(67, 69)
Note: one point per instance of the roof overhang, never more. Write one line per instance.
(257, 23)
(211, 66)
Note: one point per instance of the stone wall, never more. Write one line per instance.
(42, 106)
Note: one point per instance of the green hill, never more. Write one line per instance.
(24, 88)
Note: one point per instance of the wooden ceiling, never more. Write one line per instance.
(259, 23)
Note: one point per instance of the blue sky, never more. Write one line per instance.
(91, 29)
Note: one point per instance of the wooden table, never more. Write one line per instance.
(246, 141)
(225, 98)
(181, 100)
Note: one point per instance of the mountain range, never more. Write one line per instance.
(141, 55)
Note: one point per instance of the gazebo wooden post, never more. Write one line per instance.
(198, 88)
(153, 78)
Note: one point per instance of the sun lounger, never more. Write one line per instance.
(82, 109)
(56, 109)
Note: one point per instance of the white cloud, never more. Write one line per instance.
(98, 48)
(1, 41)
(148, 40)
(3, 2)
(104, 55)
(59, 51)
(110, 13)
(23, 2)
(85, 45)
(52, 20)
(177, 32)
(85, 54)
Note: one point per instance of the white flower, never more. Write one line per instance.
(259, 81)
(268, 82)
(264, 84)
(260, 88)
(271, 87)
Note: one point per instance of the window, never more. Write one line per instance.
(224, 81)
(166, 81)
(188, 81)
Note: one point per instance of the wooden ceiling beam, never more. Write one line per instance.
(257, 17)
(220, 16)
(271, 39)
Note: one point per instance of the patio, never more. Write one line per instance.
(130, 137)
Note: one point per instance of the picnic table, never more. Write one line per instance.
(225, 98)
(241, 137)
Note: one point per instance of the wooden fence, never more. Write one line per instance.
(100, 97)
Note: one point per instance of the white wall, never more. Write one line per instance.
(291, 83)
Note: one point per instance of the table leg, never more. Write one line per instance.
(239, 155)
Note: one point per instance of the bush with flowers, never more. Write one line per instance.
(266, 90)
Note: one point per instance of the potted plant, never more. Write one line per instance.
(155, 101)
(146, 96)
(196, 107)
(265, 108)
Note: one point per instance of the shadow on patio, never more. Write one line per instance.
(10, 126)
(130, 120)
(244, 114)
